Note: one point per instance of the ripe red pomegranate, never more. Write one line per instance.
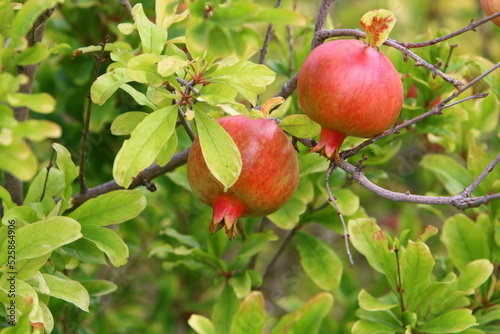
(491, 7)
(269, 175)
(350, 89)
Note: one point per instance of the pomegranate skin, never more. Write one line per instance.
(350, 89)
(269, 175)
(491, 7)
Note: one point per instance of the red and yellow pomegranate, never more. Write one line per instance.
(350, 89)
(491, 7)
(269, 175)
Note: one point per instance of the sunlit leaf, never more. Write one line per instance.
(145, 143)
(221, 154)
(319, 261)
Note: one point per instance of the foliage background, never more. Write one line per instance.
(155, 292)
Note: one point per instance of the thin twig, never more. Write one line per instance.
(468, 191)
(325, 34)
(267, 38)
(147, 174)
(436, 110)
(452, 47)
(459, 201)
(189, 85)
(321, 19)
(185, 123)
(333, 201)
(86, 127)
(399, 286)
(126, 4)
(280, 250)
(472, 26)
(49, 166)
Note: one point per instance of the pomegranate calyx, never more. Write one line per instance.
(377, 24)
(329, 144)
(226, 212)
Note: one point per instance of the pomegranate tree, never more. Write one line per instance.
(269, 175)
(491, 7)
(350, 88)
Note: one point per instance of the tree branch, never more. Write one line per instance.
(143, 178)
(459, 201)
(471, 27)
(12, 184)
(333, 201)
(88, 115)
(468, 191)
(325, 34)
(434, 111)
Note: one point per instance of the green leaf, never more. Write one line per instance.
(454, 321)
(300, 126)
(201, 324)
(25, 18)
(308, 318)
(124, 124)
(430, 231)
(288, 215)
(99, 287)
(153, 38)
(255, 243)
(249, 78)
(37, 130)
(107, 84)
(281, 16)
(184, 239)
(67, 166)
(251, 315)
(347, 201)
(6, 199)
(370, 303)
(416, 268)
(86, 251)
(319, 261)
(19, 160)
(465, 240)
(368, 327)
(474, 274)
(110, 243)
(68, 290)
(144, 69)
(241, 283)
(225, 309)
(32, 55)
(144, 145)
(25, 269)
(168, 150)
(42, 103)
(37, 239)
(55, 183)
(170, 65)
(138, 97)
(221, 154)
(111, 208)
(450, 172)
(373, 243)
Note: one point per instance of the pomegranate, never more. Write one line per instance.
(350, 88)
(491, 7)
(269, 175)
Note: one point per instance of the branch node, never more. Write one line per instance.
(150, 186)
